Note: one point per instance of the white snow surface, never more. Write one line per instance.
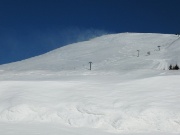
(56, 93)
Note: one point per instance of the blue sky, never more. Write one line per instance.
(33, 27)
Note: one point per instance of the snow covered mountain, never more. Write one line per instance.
(109, 52)
(128, 91)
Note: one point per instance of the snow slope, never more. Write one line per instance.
(109, 52)
(122, 94)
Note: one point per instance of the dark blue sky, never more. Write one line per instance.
(32, 27)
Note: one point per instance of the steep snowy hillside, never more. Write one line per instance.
(124, 93)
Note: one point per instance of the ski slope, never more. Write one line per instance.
(56, 93)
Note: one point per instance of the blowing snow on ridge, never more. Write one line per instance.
(129, 90)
